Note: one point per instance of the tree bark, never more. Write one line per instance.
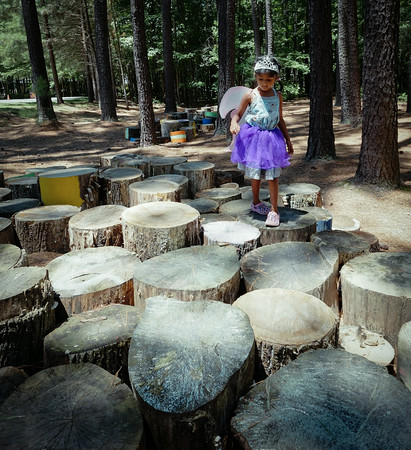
(169, 72)
(269, 34)
(256, 27)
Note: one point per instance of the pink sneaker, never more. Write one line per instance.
(260, 208)
(273, 219)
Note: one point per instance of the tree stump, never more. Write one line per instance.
(151, 229)
(134, 161)
(325, 399)
(5, 194)
(404, 354)
(203, 205)
(323, 217)
(169, 125)
(45, 229)
(26, 315)
(376, 293)
(229, 176)
(161, 165)
(85, 279)
(296, 195)
(345, 223)
(10, 207)
(215, 217)
(10, 378)
(71, 406)
(96, 227)
(199, 173)
(247, 194)
(242, 236)
(41, 259)
(154, 191)
(189, 131)
(115, 184)
(347, 244)
(370, 238)
(1, 178)
(287, 323)
(299, 266)
(37, 170)
(367, 344)
(188, 388)
(12, 256)
(194, 273)
(75, 187)
(24, 187)
(101, 337)
(220, 195)
(6, 231)
(181, 180)
(230, 186)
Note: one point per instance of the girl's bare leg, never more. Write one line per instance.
(255, 188)
(273, 187)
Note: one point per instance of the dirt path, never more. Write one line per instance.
(82, 139)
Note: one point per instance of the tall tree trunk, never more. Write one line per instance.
(409, 87)
(321, 136)
(45, 111)
(349, 66)
(256, 27)
(145, 96)
(269, 28)
(169, 72)
(379, 161)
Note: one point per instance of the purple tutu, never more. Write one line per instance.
(260, 149)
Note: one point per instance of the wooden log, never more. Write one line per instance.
(151, 229)
(287, 323)
(347, 244)
(188, 388)
(194, 273)
(10, 207)
(199, 173)
(325, 399)
(6, 231)
(101, 337)
(37, 170)
(161, 165)
(12, 256)
(345, 223)
(1, 179)
(299, 266)
(189, 131)
(45, 229)
(220, 195)
(240, 235)
(367, 344)
(169, 125)
(5, 194)
(404, 354)
(85, 279)
(296, 195)
(115, 184)
(149, 190)
(230, 186)
(96, 227)
(26, 315)
(181, 180)
(24, 187)
(71, 406)
(10, 378)
(229, 176)
(41, 259)
(376, 293)
(215, 217)
(203, 205)
(370, 238)
(247, 194)
(323, 217)
(134, 161)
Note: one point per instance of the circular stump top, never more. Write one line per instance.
(98, 217)
(182, 354)
(286, 317)
(150, 186)
(121, 173)
(298, 189)
(345, 223)
(47, 213)
(179, 179)
(5, 193)
(215, 217)
(220, 195)
(247, 194)
(91, 270)
(9, 207)
(203, 205)
(165, 161)
(4, 223)
(230, 232)
(71, 406)
(72, 172)
(193, 166)
(10, 255)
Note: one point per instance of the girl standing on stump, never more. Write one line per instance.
(260, 149)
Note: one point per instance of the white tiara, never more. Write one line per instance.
(267, 65)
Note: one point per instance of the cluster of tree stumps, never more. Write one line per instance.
(159, 273)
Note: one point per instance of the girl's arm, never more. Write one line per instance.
(245, 101)
(283, 127)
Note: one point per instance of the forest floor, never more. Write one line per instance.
(82, 139)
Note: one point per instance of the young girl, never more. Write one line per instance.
(259, 148)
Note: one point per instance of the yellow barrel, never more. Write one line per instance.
(178, 136)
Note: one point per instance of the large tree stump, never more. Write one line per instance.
(376, 293)
(203, 205)
(115, 184)
(26, 315)
(24, 187)
(189, 363)
(325, 399)
(154, 191)
(10, 378)
(194, 273)
(169, 125)
(370, 238)
(404, 354)
(35, 171)
(181, 180)
(71, 406)
(96, 227)
(296, 195)
(41, 259)
(12, 256)
(247, 194)
(134, 161)
(240, 235)
(287, 323)
(323, 217)
(6, 231)
(101, 337)
(85, 279)
(162, 165)
(199, 173)
(45, 229)
(299, 266)
(151, 229)
(5, 194)
(229, 176)
(10, 207)
(220, 195)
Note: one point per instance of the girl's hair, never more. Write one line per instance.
(267, 64)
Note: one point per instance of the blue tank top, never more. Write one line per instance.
(264, 112)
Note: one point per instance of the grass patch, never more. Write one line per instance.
(22, 110)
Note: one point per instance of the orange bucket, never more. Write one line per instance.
(178, 136)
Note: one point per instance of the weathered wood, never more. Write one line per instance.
(181, 180)
(325, 399)
(115, 184)
(41, 259)
(187, 389)
(96, 227)
(345, 223)
(12, 256)
(132, 160)
(190, 133)
(323, 217)
(169, 125)
(162, 165)
(5, 194)
(199, 173)
(215, 217)
(240, 235)
(6, 231)
(404, 354)
(154, 191)
(203, 205)
(24, 187)
(230, 186)
(247, 194)
(229, 176)
(71, 406)
(10, 378)
(10, 207)
(101, 337)
(85, 279)
(26, 315)
(376, 293)
(299, 266)
(220, 195)
(287, 323)
(295, 195)
(36, 170)
(370, 238)
(194, 273)
(151, 229)
(45, 229)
